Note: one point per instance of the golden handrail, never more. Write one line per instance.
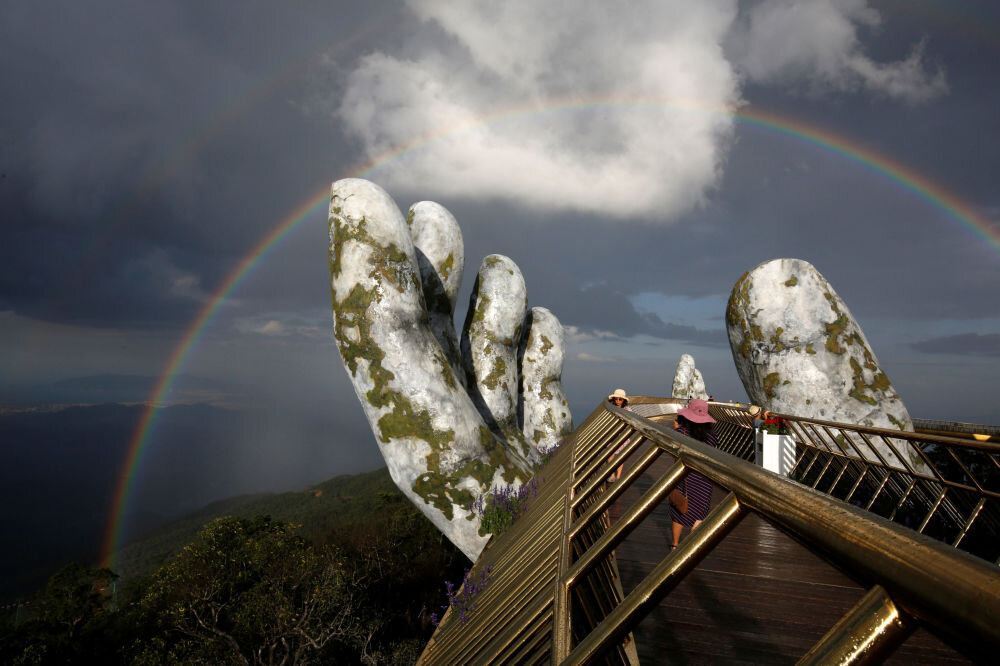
(951, 590)
(556, 595)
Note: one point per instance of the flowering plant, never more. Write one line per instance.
(499, 506)
(461, 600)
(775, 425)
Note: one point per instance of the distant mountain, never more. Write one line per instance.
(388, 575)
(106, 388)
(60, 468)
(327, 506)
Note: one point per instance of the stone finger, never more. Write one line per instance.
(441, 257)
(544, 412)
(438, 449)
(799, 350)
(490, 340)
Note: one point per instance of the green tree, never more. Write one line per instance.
(250, 592)
(66, 623)
(74, 596)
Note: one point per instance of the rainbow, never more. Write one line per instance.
(826, 140)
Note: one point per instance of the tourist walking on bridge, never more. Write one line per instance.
(619, 399)
(695, 422)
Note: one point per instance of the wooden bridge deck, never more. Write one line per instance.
(758, 598)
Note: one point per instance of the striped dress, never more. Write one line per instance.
(697, 488)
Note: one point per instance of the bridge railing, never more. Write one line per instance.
(977, 431)
(911, 578)
(554, 593)
(945, 487)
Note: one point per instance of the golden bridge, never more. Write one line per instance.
(838, 556)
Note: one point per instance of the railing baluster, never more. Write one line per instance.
(597, 460)
(902, 499)
(820, 476)
(867, 634)
(836, 479)
(930, 514)
(878, 491)
(812, 462)
(857, 484)
(968, 523)
(658, 583)
(965, 470)
(615, 492)
(621, 529)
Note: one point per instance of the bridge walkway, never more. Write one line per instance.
(854, 557)
(758, 598)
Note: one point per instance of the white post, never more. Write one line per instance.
(775, 453)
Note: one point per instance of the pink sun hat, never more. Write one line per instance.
(696, 412)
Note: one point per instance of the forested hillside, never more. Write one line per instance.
(334, 504)
(241, 582)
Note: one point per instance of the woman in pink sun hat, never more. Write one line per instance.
(695, 422)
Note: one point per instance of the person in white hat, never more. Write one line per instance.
(619, 399)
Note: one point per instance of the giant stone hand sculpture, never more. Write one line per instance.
(688, 382)
(798, 350)
(447, 427)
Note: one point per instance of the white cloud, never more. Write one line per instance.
(285, 325)
(816, 43)
(273, 327)
(584, 356)
(621, 110)
(188, 286)
(516, 96)
(575, 335)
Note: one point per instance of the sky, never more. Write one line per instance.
(634, 159)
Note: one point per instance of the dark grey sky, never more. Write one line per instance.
(146, 148)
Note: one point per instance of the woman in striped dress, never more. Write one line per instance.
(695, 422)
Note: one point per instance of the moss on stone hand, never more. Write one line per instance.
(388, 261)
(352, 330)
(858, 387)
(546, 345)
(835, 328)
(736, 307)
(498, 372)
(544, 393)
(770, 381)
(776, 339)
(739, 300)
(447, 265)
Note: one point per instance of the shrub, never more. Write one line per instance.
(501, 505)
(461, 601)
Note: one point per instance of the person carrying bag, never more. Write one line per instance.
(695, 422)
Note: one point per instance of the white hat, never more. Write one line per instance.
(619, 393)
